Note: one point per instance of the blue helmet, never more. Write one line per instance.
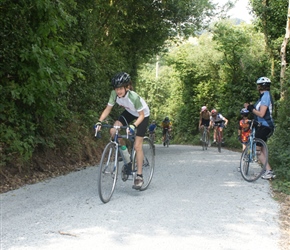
(244, 111)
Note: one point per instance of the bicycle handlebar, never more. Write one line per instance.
(129, 132)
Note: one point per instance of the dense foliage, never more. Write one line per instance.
(57, 58)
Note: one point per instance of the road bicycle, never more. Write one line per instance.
(205, 138)
(250, 166)
(218, 134)
(166, 138)
(113, 155)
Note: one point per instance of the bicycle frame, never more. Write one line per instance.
(117, 136)
(251, 139)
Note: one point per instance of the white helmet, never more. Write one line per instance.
(264, 81)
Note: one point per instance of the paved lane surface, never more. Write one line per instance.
(197, 200)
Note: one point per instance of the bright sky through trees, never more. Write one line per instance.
(241, 9)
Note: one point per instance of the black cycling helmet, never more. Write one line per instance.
(120, 80)
(264, 81)
(166, 118)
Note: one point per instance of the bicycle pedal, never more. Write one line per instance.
(124, 178)
(136, 188)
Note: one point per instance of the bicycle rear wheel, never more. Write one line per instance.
(148, 163)
(251, 168)
(108, 172)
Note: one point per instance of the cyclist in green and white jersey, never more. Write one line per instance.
(136, 112)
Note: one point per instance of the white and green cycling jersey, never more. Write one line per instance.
(132, 102)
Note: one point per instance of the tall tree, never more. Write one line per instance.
(283, 53)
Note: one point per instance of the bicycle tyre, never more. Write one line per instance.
(108, 172)
(148, 163)
(206, 140)
(252, 169)
(151, 137)
(167, 139)
(203, 141)
(219, 139)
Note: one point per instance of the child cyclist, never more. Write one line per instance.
(244, 128)
(151, 129)
(166, 124)
(136, 113)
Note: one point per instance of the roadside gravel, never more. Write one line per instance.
(197, 200)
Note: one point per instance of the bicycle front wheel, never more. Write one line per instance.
(148, 163)
(108, 172)
(206, 140)
(167, 139)
(153, 138)
(203, 141)
(251, 167)
(219, 139)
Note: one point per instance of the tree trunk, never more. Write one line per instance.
(283, 54)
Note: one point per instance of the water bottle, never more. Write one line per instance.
(125, 154)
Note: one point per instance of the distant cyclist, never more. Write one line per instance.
(216, 117)
(151, 129)
(166, 125)
(244, 128)
(204, 120)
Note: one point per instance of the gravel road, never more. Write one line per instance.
(197, 200)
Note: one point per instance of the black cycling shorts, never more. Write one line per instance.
(126, 118)
(205, 122)
(263, 132)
